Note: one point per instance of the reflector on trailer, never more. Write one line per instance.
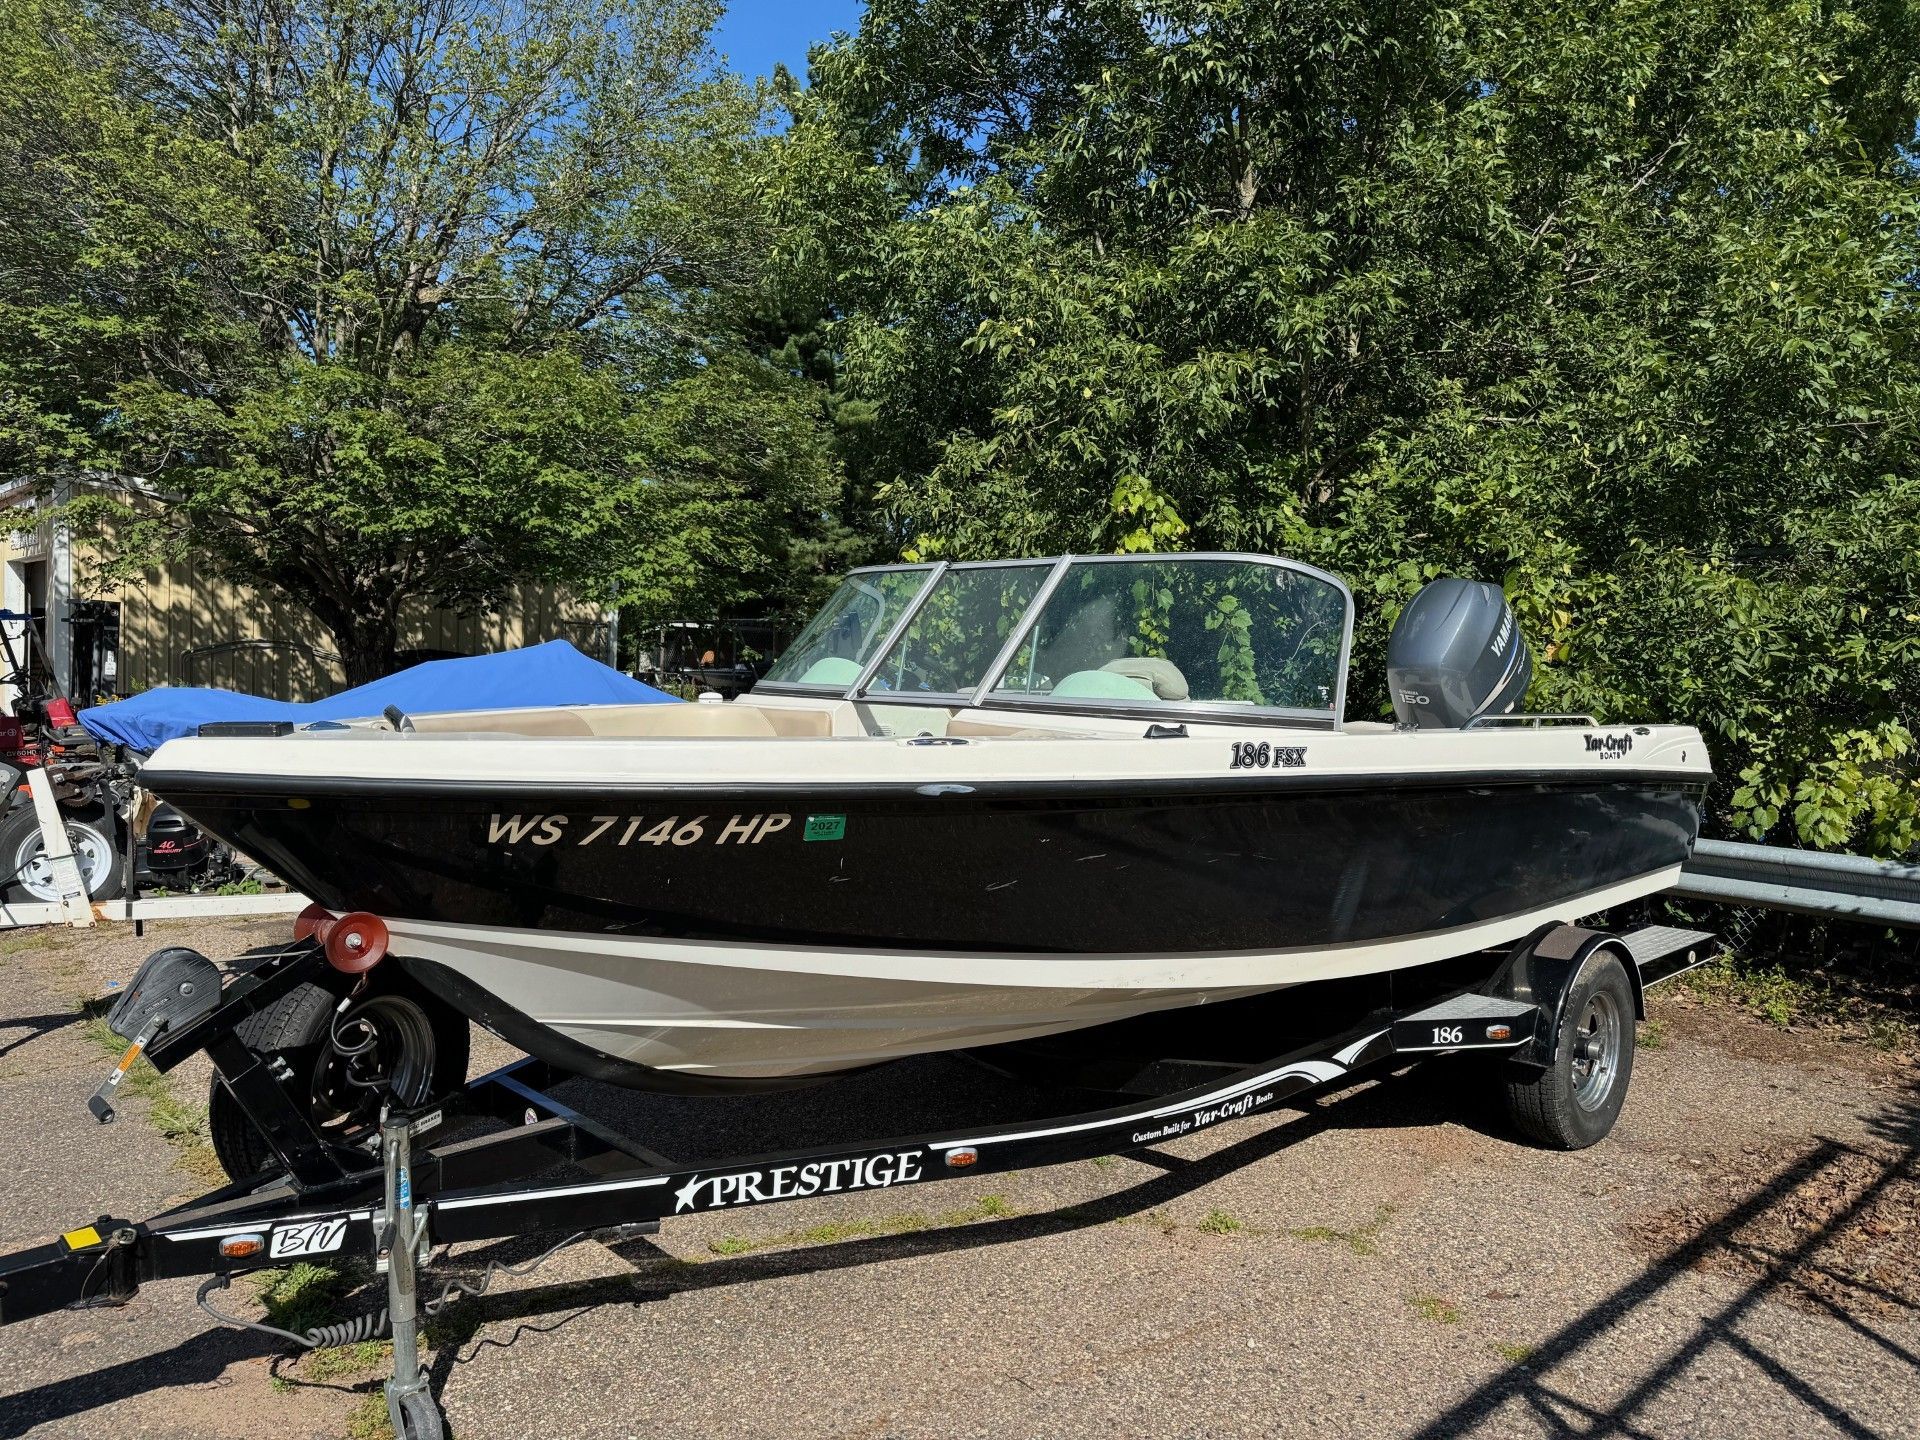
(242, 1247)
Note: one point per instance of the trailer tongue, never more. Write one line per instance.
(1561, 1005)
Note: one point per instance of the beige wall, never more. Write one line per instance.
(179, 626)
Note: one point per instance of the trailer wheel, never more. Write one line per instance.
(26, 874)
(422, 1044)
(418, 1417)
(1574, 1102)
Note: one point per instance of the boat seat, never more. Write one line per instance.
(683, 722)
(1163, 677)
(985, 729)
(688, 722)
(1102, 684)
(542, 721)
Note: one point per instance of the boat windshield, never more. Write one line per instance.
(835, 647)
(963, 624)
(1184, 630)
(1115, 631)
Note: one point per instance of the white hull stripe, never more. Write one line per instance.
(1207, 970)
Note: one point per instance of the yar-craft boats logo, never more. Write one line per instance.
(795, 1182)
(1611, 746)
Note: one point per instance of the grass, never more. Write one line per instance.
(368, 1420)
(1514, 1354)
(1361, 1240)
(987, 1207)
(1786, 1000)
(1432, 1307)
(301, 1297)
(1219, 1222)
(1653, 1035)
(339, 1361)
(1765, 991)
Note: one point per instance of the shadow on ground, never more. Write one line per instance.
(943, 1092)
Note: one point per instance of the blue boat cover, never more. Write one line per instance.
(551, 674)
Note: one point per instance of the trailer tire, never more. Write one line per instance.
(419, 1417)
(296, 1028)
(1574, 1102)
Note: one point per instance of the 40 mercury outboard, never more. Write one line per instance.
(1456, 654)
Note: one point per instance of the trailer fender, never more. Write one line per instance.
(1541, 971)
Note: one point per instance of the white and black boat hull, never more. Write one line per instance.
(704, 937)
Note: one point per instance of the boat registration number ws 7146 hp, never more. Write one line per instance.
(615, 831)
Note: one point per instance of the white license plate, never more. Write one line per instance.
(309, 1237)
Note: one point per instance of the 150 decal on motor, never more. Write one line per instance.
(1259, 755)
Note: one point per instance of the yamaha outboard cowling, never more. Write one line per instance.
(1456, 654)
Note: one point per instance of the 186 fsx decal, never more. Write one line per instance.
(1259, 755)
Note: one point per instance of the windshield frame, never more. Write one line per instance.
(982, 696)
(933, 570)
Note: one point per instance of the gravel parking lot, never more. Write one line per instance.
(1742, 1258)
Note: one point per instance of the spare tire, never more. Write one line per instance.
(25, 872)
(297, 1030)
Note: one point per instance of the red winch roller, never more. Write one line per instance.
(313, 923)
(355, 942)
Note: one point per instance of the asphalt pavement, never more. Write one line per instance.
(1741, 1258)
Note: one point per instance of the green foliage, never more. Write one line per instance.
(303, 1296)
(1612, 304)
(371, 302)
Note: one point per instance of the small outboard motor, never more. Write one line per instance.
(175, 844)
(1456, 653)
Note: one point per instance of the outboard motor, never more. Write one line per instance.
(1456, 654)
(175, 845)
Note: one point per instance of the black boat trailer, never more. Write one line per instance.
(395, 1193)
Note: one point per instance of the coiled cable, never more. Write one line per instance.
(378, 1323)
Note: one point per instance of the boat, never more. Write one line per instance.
(972, 804)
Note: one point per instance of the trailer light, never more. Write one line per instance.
(357, 942)
(962, 1157)
(242, 1247)
(313, 923)
(1499, 1032)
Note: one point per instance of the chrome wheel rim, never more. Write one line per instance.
(1597, 1041)
(33, 871)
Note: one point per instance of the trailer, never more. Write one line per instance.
(1555, 1013)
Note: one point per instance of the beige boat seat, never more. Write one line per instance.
(1163, 677)
(686, 722)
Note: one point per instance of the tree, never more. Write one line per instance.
(451, 272)
(1616, 305)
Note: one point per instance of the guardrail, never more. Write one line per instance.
(1810, 882)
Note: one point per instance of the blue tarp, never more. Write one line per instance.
(551, 674)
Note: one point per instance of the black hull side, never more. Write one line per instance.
(1073, 870)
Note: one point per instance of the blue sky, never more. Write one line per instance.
(755, 34)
